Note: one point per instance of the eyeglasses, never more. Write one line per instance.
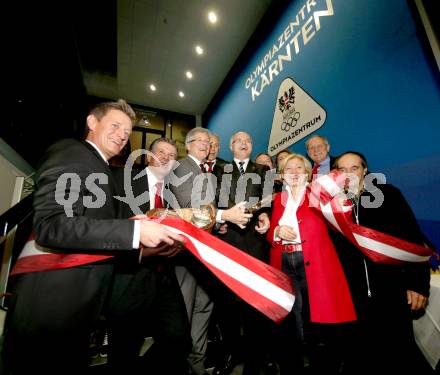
(200, 140)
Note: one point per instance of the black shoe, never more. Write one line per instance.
(226, 367)
(271, 368)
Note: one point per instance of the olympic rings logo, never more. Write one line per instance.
(290, 122)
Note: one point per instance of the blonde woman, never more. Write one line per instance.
(301, 247)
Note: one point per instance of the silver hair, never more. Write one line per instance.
(233, 135)
(316, 136)
(191, 134)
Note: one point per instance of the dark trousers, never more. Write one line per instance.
(51, 317)
(328, 347)
(385, 332)
(147, 301)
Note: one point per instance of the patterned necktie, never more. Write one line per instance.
(158, 203)
(241, 167)
(209, 163)
(202, 167)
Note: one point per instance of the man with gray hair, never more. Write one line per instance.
(193, 189)
(243, 182)
(318, 150)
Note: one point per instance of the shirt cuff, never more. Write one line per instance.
(136, 234)
(218, 217)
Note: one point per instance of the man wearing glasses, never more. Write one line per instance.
(194, 188)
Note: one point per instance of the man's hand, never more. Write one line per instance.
(415, 300)
(263, 223)
(237, 215)
(153, 234)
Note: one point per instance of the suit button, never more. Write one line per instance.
(307, 263)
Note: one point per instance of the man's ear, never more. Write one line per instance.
(91, 122)
(149, 157)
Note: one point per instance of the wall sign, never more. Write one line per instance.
(296, 115)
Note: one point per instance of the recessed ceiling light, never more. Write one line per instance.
(181, 94)
(152, 87)
(199, 50)
(189, 75)
(212, 17)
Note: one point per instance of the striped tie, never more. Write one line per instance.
(241, 167)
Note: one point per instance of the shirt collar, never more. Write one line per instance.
(211, 161)
(300, 192)
(98, 150)
(152, 179)
(325, 162)
(198, 162)
(245, 161)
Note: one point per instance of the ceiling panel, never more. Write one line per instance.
(156, 40)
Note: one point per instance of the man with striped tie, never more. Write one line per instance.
(243, 181)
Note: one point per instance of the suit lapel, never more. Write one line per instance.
(192, 165)
(111, 184)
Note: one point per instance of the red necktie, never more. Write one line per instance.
(314, 171)
(157, 197)
(209, 165)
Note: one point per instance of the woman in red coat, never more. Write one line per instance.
(302, 248)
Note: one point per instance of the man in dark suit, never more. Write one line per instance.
(318, 149)
(214, 164)
(146, 299)
(52, 313)
(243, 180)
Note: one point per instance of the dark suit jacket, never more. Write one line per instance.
(93, 226)
(140, 187)
(233, 188)
(218, 169)
(394, 217)
(66, 303)
(141, 290)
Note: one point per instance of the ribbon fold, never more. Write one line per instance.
(377, 246)
(262, 286)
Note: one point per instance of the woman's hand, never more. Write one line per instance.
(286, 233)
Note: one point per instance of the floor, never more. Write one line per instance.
(100, 359)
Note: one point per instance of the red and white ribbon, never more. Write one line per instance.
(34, 258)
(259, 284)
(377, 246)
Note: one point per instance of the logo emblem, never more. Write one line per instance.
(296, 115)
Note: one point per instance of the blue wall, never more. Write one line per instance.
(366, 66)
